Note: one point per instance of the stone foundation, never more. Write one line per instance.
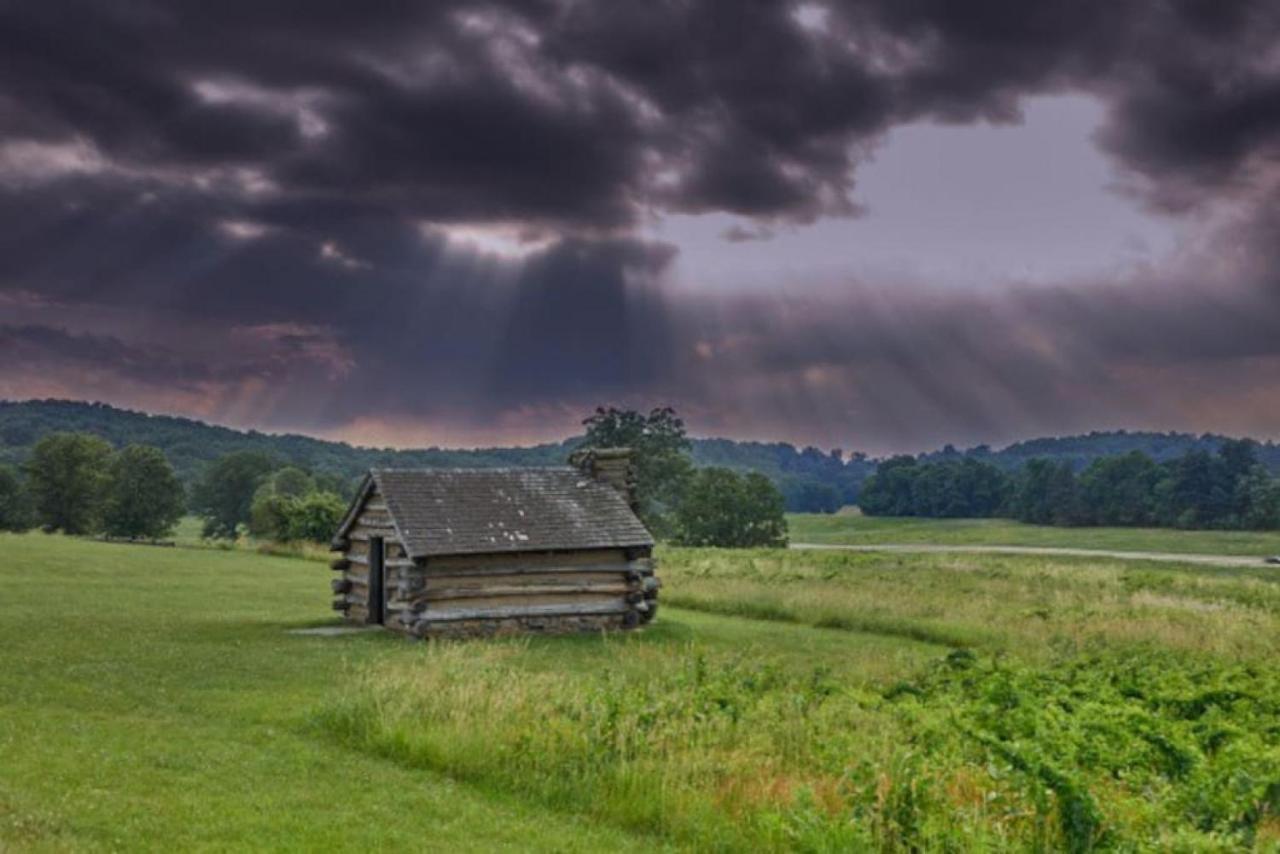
(525, 625)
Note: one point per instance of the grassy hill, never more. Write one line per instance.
(780, 701)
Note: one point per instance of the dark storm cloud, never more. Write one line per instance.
(44, 348)
(584, 114)
(282, 176)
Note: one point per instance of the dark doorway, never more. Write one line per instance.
(377, 582)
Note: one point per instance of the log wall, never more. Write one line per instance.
(351, 583)
(529, 592)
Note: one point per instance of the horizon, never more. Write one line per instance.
(963, 449)
(840, 223)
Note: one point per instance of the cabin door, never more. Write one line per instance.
(377, 582)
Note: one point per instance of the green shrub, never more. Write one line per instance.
(723, 508)
(313, 518)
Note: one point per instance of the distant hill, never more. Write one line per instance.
(810, 479)
(1081, 450)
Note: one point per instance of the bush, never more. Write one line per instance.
(313, 518)
(289, 518)
(721, 508)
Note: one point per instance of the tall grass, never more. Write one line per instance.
(1086, 704)
(723, 753)
(1031, 606)
(856, 529)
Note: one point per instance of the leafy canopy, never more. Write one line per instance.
(15, 504)
(723, 508)
(67, 475)
(224, 495)
(144, 498)
(660, 456)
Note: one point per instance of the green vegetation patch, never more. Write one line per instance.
(1032, 606)
(736, 752)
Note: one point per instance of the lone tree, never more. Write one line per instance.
(144, 498)
(659, 449)
(224, 496)
(67, 474)
(15, 503)
(722, 508)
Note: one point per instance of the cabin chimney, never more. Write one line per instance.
(608, 465)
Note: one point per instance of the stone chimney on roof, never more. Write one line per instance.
(608, 465)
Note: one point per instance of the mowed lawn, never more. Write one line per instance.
(855, 529)
(153, 698)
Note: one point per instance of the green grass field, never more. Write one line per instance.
(153, 698)
(854, 529)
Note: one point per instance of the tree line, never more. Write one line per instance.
(810, 480)
(1227, 489)
(79, 484)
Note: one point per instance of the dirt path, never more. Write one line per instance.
(1174, 557)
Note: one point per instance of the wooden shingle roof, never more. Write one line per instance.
(471, 511)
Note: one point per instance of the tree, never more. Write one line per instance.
(269, 515)
(805, 495)
(66, 475)
(269, 511)
(888, 492)
(1258, 493)
(144, 498)
(660, 458)
(1185, 495)
(1031, 500)
(15, 504)
(292, 481)
(314, 517)
(1063, 497)
(1120, 490)
(721, 508)
(224, 496)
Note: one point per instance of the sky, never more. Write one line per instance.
(880, 225)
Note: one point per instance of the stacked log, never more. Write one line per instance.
(499, 594)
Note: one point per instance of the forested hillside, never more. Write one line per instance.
(809, 479)
(1081, 450)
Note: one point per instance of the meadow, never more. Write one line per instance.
(851, 528)
(154, 698)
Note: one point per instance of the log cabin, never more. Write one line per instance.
(465, 552)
